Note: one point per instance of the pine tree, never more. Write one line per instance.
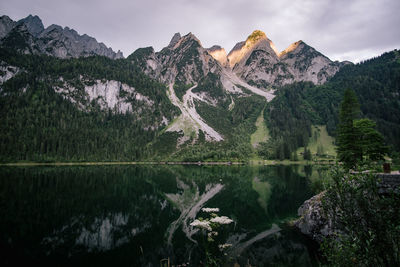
(307, 154)
(348, 148)
(294, 156)
(357, 139)
(371, 141)
(320, 150)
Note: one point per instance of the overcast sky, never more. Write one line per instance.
(340, 29)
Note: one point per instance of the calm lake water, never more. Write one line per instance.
(139, 215)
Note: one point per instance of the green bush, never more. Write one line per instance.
(369, 221)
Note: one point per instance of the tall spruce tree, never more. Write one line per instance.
(370, 140)
(357, 139)
(348, 148)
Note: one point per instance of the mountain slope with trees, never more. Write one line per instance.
(376, 83)
(39, 124)
(102, 108)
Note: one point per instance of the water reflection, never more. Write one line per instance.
(189, 202)
(138, 215)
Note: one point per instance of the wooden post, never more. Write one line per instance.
(386, 167)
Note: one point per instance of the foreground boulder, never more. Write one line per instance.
(313, 221)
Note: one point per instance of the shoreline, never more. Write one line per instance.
(99, 163)
(199, 163)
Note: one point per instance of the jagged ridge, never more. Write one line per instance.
(258, 62)
(29, 36)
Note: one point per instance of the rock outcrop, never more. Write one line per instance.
(313, 221)
(7, 72)
(29, 36)
(113, 95)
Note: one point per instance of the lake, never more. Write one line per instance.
(140, 215)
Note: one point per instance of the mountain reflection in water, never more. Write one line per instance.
(138, 215)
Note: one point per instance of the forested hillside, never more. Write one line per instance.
(39, 124)
(298, 106)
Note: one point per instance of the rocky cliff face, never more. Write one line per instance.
(28, 35)
(113, 95)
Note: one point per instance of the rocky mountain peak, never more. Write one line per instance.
(307, 64)
(5, 18)
(179, 41)
(257, 41)
(190, 37)
(301, 51)
(34, 24)
(218, 53)
(6, 25)
(177, 36)
(256, 36)
(20, 39)
(296, 46)
(184, 62)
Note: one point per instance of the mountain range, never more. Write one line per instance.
(83, 101)
(29, 36)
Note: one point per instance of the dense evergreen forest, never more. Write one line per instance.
(38, 124)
